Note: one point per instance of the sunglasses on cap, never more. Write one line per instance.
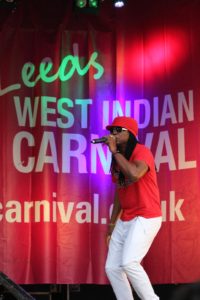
(117, 129)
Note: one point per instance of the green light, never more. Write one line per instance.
(93, 3)
(81, 3)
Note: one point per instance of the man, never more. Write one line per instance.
(136, 216)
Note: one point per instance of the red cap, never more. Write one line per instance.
(125, 122)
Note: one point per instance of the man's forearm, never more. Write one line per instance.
(116, 209)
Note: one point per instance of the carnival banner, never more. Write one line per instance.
(59, 88)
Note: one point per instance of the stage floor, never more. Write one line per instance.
(80, 292)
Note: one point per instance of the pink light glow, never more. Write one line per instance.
(156, 54)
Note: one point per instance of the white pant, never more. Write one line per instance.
(130, 242)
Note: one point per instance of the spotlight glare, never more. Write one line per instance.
(81, 3)
(93, 3)
(118, 3)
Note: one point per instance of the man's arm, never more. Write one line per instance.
(116, 209)
(133, 170)
(114, 215)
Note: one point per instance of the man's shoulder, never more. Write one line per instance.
(142, 147)
(141, 151)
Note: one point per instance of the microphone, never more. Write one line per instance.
(100, 140)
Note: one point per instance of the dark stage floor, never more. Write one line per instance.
(77, 292)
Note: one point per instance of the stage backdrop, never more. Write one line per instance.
(64, 75)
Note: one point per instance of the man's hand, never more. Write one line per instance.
(111, 226)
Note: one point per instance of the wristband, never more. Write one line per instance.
(111, 224)
(116, 152)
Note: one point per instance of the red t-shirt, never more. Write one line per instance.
(140, 198)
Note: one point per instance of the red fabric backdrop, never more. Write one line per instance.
(64, 75)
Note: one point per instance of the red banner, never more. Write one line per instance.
(59, 87)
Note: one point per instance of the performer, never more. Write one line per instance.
(136, 216)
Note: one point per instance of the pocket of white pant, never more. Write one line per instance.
(150, 226)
